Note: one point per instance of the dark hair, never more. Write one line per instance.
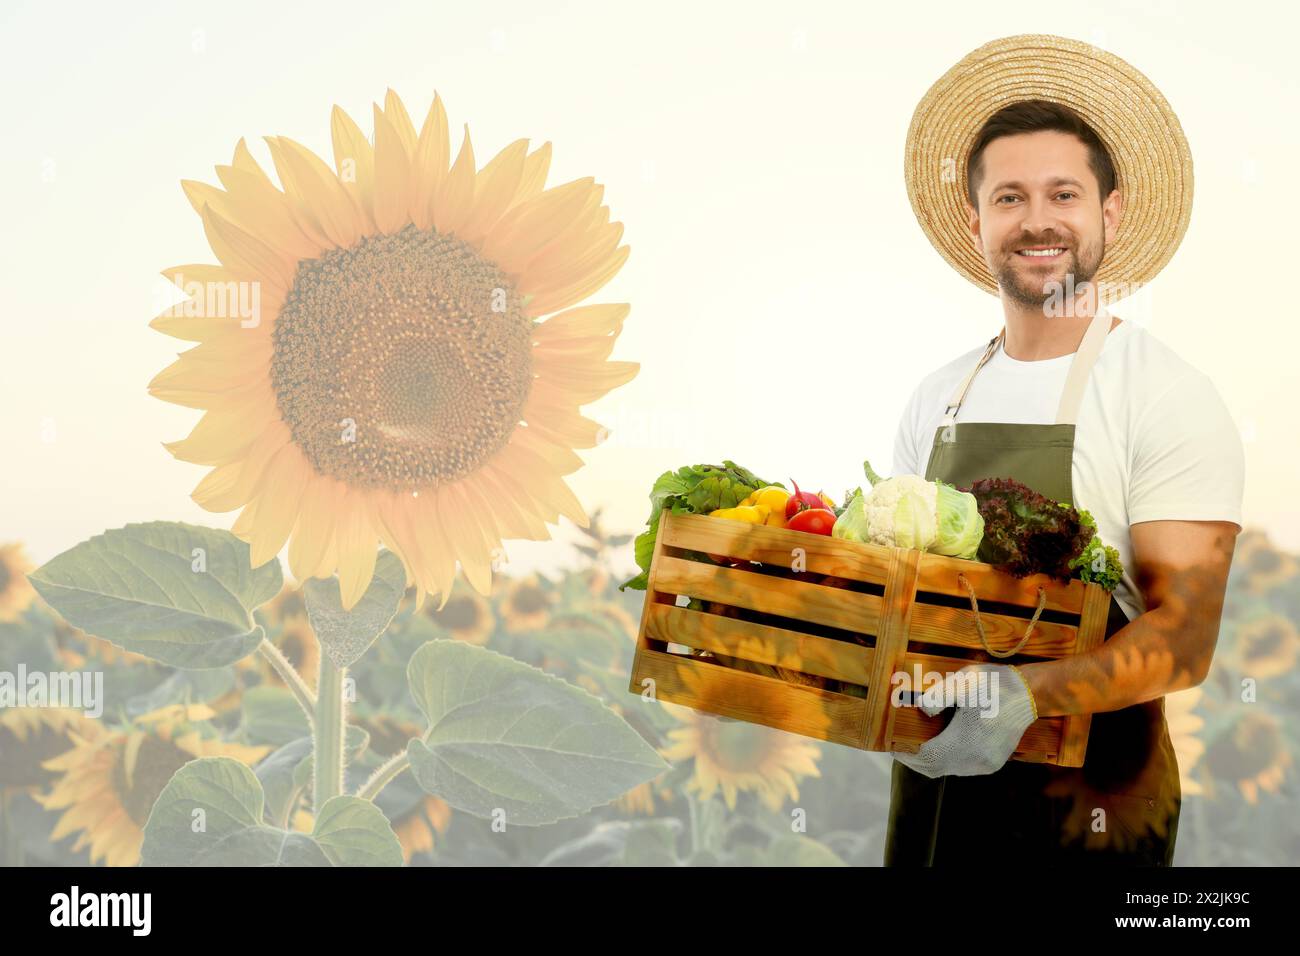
(1030, 116)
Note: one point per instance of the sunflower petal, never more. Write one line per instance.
(244, 160)
(580, 386)
(463, 534)
(193, 373)
(313, 530)
(595, 348)
(429, 167)
(562, 298)
(564, 425)
(217, 304)
(392, 176)
(582, 323)
(263, 216)
(358, 547)
(536, 167)
(500, 511)
(222, 434)
(354, 161)
(395, 112)
(456, 193)
(530, 227)
(437, 549)
(531, 515)
(246, 255)
(386, 525)
(185, 391)
(546, 486)
(562, 460)
(494, 190)
(278, 503)
(227, 487)
(319, 189)
(302, 213)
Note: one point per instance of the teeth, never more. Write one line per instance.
(1041, 252)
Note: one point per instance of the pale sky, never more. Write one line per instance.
(784, 300)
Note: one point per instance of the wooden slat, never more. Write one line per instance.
(821, 554)
(939, 573)
(652, 598)
(810, 653)
(891, 644)
(752, 697)
(1092, 631)
(912, 728)
(801, 600)
(910, 725)
(955, 627)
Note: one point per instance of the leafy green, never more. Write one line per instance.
(1099, 563)
(691, 489)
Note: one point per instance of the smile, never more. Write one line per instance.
(1041, 253)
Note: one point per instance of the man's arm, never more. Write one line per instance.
(1182, 572)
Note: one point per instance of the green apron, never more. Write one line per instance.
(1033, 812)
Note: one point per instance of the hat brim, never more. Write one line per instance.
(1153, 164)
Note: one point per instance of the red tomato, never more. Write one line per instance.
(814, 520)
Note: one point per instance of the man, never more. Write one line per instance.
(1054, 137)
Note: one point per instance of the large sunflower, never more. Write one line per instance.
(1252, 754)
(109, 779)
(29, 736)
(385, 377)
(735, 756)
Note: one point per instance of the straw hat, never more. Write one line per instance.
(1153, 164)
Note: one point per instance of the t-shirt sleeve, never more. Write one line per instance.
(1187, 460)
(906, 454)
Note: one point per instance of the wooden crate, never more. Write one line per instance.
(848, 616)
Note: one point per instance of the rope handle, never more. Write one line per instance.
(979, 625)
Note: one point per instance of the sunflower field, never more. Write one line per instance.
(111, 790)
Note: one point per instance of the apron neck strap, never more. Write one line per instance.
(1085, 357)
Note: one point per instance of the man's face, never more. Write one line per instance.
(1039, 193)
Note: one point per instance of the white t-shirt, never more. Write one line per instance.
(1153, 439)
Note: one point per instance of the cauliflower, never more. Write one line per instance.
(903, 512)
(910, 512)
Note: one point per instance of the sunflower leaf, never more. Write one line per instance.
(505, 737)
(184, 687)
(276, 774)
(271, 715)
(346, 635)
(355, 832)
(178, 593)
(210, 814)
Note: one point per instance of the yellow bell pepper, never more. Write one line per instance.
(754, 514)
(774, 498)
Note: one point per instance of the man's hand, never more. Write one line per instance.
(984, 732)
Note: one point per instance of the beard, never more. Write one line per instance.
(1035, 286)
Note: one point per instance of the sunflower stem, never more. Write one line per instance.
(383, 776)
(292, 679)
(327, 734)
(695, 822)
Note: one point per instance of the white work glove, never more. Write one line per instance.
(982, 736)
